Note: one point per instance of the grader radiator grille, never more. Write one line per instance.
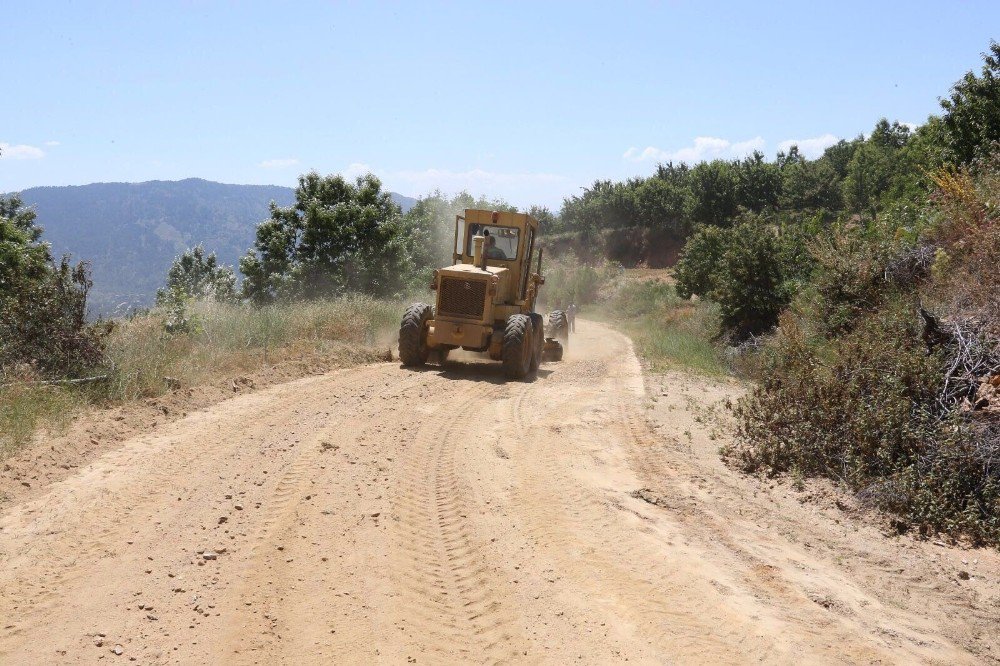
(462, 298)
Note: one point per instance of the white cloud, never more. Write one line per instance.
(810, 148)
(52, 144)
(20, 152)
(279, 163)
(355, 169)
(524, 188)
(704, 148)
(474, 180)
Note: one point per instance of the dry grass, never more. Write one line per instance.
(25, 408)
(222, 340)
(668, 331)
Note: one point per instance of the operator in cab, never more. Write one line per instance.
(492, 251)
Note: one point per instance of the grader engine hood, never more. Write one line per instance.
(465, 291)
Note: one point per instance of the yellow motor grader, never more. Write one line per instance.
(486, 300)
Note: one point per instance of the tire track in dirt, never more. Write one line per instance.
(260, 602)
(577, 527)
(451, 607)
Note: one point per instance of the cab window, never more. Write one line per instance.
(503, 246)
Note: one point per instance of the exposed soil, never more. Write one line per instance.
(381, 514)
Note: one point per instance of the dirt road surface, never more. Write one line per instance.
(385, 515)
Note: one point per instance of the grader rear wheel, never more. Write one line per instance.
(559, 327)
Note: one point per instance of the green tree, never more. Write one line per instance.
(43, 304)
(197, 275)
(698, 268)
(758, 183)
(751, 287)
(875, 168)
(972, 110)
(664, 205)
(714, 191)
(338, 237)
(810, 185)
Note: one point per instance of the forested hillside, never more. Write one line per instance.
(131, 232)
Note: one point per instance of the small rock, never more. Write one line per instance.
(964, 575)
(209, 555)
(238, 507)
(223, 519)
(118, 650)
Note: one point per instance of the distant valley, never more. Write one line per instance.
(131, 232)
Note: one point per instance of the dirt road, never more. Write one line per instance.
(388, 515)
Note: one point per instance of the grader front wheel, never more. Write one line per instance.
(518, 346)
(413, 350)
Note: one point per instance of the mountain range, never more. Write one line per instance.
(131, 232)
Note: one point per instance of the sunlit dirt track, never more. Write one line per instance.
(445, 515)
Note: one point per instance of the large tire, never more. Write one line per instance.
(556, 354)
(538, 337)
(518, 346)
(559, 327)
(413, 349)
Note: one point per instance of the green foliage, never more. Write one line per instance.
(749, 270)
(750, 287)
(337, 238)
(811, 185)
(876, 168)
(714, 188)
(43, 304)
(698, 268)
(197, 275)
(863, 385)
(972, 111)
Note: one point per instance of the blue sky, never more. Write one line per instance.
(527, 101)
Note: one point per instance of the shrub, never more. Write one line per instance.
(749, 270)
(698, 268)
(43, 323)
(864, 409)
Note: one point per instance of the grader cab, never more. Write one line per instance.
(486, 299)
